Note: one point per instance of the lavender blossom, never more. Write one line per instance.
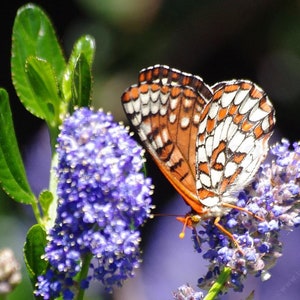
(273, 197)
(103, 199)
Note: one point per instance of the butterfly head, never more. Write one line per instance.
(190, 220)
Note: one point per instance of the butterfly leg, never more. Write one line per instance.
(229, 234)
(243, 210)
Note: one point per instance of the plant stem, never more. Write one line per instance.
(83, 274)
(36, 212)
(52, 189)
(218, 285)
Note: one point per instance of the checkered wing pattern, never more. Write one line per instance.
(165, 108)
(208, 141)
(232, 140)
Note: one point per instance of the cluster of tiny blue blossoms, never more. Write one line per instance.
(103, 199)
(273, 199)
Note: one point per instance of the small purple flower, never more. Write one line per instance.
(103, 199)
(273, 197)
(186, 292)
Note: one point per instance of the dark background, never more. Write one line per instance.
(217, 40)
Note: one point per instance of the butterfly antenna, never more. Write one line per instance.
(164, 215)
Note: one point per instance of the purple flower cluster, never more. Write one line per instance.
(273, 199)
(103, 199)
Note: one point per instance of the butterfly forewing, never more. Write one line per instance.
(232, 139)
(165, 107)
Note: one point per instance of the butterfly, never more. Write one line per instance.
(207, 141)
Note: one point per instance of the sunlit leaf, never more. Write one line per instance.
(81, 84)
(12, 172)
(33, 250)
(33, 36)
(45, 199)
(44, 87)
(78, 79)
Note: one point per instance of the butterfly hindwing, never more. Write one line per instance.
(165, 107)
(232, 139)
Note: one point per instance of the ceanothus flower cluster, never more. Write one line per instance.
(103, 199)
(273, 199)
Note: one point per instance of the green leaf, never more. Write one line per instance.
(34, 248)
(77, 80)
(12, 172)
(45, 199)
(82, 82)
(44, 87)
(33, 36)
(86, 46)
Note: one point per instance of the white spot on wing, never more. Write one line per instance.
(231, 130)
(201, 155)
(173, 103)
(216, 177)
(165, 135)
(137, 119)
(196, 119)
(146, 128)
(144, 98)
(217, 134)
(158, 142)
(213, 110)
(154, 108)
(164, 81)
(154, 95)
(202, 126)
(142, 135)
(164, 98)
(187, 103)
(145, 110)
(226, 123)
(172, 118)
(198, 185)
(184, 122)
(208, 145)
(128, 106)
(136, 105)
(221, 159)
(163, 110)
(230, 168)
(246, 144)
(265, 124)
(205, 180)
(236, 140)
(240, 96)
(247, 105)
(226, 99)
(257, 114)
